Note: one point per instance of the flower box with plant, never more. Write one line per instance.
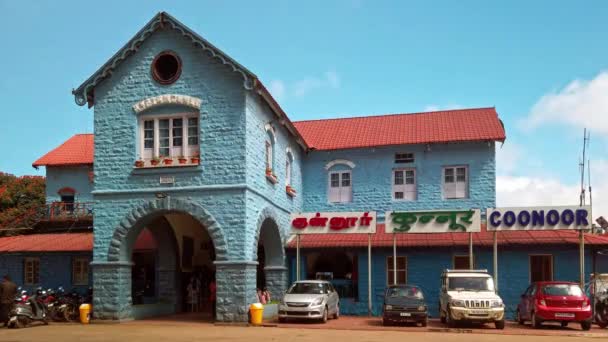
(139, 163)
(271, 176)
(290, 191)
(167, 160)
(155, 161)
(195, 159)
(182, 160)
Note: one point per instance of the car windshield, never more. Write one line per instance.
(471, 284)
(307, 288)
(409, 292)
(562, 290)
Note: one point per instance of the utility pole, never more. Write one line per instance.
(582, 202)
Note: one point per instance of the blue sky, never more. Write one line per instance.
(541, 64)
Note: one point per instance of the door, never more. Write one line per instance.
(332, 299)
(528, 301)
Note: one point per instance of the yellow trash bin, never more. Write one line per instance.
(257, 313)
(85, 313)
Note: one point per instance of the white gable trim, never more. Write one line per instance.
(167, 99)
(339, 161)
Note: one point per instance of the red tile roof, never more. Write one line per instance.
(65, 242)
(484, 238)
(478, 124)
(78, 150)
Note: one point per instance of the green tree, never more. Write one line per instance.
(21, 200)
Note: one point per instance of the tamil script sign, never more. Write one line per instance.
(433, 221)
(539, 218)
(343, 223)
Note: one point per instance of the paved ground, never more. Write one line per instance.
(364, 330)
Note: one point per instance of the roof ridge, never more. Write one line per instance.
(396, 114)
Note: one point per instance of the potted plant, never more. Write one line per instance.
(168, 160)
(182, 159)
(139, 163)
(155, 161)
(195, 159)
(290, 191)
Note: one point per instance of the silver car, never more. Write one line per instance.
(310, 299)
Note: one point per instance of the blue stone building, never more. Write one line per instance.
(191, 149)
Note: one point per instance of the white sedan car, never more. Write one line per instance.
(310, 299)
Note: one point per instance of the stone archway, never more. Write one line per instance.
(269, 234)
(136, 219)
(112, 278)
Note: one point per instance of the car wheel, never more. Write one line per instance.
(563, 324)
(518, 318)
(282, 320)
(448, 318)
(500, 324)
(586, 325)
(337, 314)
(385, 322)
(324, 318)
(424, 323)
(535, 321)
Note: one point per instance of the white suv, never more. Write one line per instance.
(470, 296)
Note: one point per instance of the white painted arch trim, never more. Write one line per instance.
(268, 127)
(339, 161)
(167, 99)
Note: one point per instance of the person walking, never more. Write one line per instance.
(8, 292)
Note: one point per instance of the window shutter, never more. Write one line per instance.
(346, 189)
(334, 187)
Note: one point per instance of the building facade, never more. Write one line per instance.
(191, 148)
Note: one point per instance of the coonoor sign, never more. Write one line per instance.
(539, 218)
(433, 221)
(343, 223)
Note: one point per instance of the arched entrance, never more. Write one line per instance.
(271, 270)
(187, 242)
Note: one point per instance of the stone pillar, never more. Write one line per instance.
(167, 287)
(112, 290)
(276, 281)
(235, 282)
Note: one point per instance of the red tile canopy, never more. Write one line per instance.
(483, 238)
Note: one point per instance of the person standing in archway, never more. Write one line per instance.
(212, 296)
(8, 292)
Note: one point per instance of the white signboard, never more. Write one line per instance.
(433, 221)
(539, 218)
(342, 223)
(167, 180)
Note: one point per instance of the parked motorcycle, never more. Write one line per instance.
(29, 310)
(601, 309)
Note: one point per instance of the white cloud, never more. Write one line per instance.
(507, 158)
(583, 103)
(434, 107)
(280, 90)
(277, 89)
(517, 191)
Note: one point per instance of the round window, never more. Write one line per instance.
(166, 67)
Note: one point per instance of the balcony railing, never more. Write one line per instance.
(69, 211)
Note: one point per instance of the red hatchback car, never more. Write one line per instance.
(554, 301)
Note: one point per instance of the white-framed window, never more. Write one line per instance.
(31, 271)
(404, 184)
(80, 271)
(403, 158)
(461, 262)
(169, 136)
(288, 168)
(269, 155)
(401, 270)
(541, 267)
(340, 187)
(455, 182)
